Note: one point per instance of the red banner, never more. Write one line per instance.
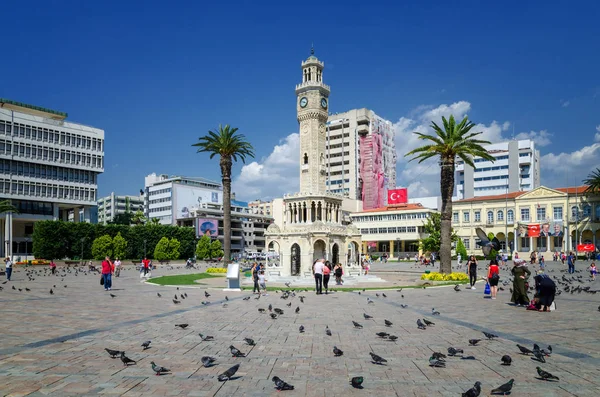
(398, 196)
(533, 230)
(586, 247)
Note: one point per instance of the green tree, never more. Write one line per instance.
(154, 222)
(433, 228)
(138, 218)
(161, 251)
(203, 248)
(173, 250)
(229, 146)
(125, 218)
(102, 247)
(215, 249)
(593, 181)
(460, 249)
(119, 245)
(449, 143)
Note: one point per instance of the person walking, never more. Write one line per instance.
(593, 271)
(542, 263)
(326, 275)
(338, 272)
(262, 281)
(9, 265)
(493, 277)
(521, 274)
(146, 265)
(318, 272)
(53, 266)
(472, 270)
(117, 267)
(571, 262)
(255, 271)
(106, 273)
(459, 259)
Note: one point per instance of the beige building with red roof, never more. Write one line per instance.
(537, 220)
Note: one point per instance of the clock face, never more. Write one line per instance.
(303, 102)
(324, 103)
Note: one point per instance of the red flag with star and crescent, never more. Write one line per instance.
(398, 196)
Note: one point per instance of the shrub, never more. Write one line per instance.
(102, 247)
(460, 249)
(435, 276)
(203, 248)
(374, 257)
(173, 251)
(119, 245)
(215, 249)
(216, 270)
(161, 251)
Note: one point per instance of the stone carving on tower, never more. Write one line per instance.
(313, 226)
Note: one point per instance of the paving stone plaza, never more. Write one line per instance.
(54, 344)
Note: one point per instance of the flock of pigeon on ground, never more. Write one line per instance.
(437, 359)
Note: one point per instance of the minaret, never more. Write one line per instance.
(312, 108)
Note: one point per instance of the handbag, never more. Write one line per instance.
(495, 277)
(101, 280)
(487, 290)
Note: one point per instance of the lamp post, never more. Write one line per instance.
(506, 221)
(82, 241)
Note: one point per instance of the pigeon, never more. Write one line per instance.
(439, 356)
(393, 338)
(261, 310)
(388, 323)
(206, 294)
(175, 301)
(229, 373)
(206, 337)
(420, 324)
(207, 361)
(249, 341)
(301, 329)
(468, 358)
(289, 304)
(158, 294)
(158, 370)
(434, 362)
(27, 289)
(474, 342)
(205, 303)
(273, 316)
(377, 359)
(377, 295)
(278, 311)
(453, 352)
(485, 243)
(175, 297)
(235, 352)
(297, 310)
(337, 352)
(369, 300)
(356, 325)
(366, 316)
(475, 391)
(457, 289)
(539, 356)
(506, 360)
(302, 299)
(182, 296)
(547, 352)
(524, 350)
(489, 336)
(427, 322)
(505, 388)
(51, 292)
(126, 360)
(357, 381)
(384, 295)
(382, 334)
(226, 298)
(281, 385)
(270, 307)
(182, 326)
(146, 344)
(545, 375)
(327, 330)
(434, 312)
(246, 298)
(113, 353)
(403, 306)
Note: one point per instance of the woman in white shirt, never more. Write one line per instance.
(117, 267)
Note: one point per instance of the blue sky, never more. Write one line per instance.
(158, 76)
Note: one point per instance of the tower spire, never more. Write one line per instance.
(312, 48)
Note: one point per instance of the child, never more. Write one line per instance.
(262, 282)
(542, 263)
(593, 271)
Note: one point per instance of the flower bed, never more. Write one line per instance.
(435, 276)
(33, 262)
(216, 270)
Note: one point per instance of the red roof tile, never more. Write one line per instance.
(512, 195)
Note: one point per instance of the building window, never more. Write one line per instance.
(558, 213)
(455, 217)
(466, 217)
(587, 211)
(597, 212)
(477, 216)
(574, 211)
(525, 214)
(466, 242)
(524, 243)
(542, 243)
(500, 216)
(541, 213)
(490, 217)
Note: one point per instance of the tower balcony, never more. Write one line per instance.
(311, 85)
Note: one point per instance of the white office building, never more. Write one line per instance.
(361, 157)
(113, 205)
(48, 170)
(169, 198)
(517, 168)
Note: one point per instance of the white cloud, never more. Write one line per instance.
(559, 170)
(541, 138)
(272, 176)
(564, 103)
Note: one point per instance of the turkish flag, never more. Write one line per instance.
(586, 247)
(398, 196)
(533, 230)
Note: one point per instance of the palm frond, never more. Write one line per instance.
(593, 181)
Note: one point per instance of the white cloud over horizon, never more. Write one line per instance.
(278, 173)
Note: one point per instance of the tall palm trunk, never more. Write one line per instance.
(226, 164)
(446, 188)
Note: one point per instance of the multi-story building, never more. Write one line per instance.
(516, 168)
(48, 170)
(395, 229)
(169, 198)
(113, 205)
(361, 156)
(261, 207)
(247, 227)
(537, 220)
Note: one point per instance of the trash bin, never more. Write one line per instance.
(233, 277)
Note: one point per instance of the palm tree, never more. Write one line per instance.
(6, 206)
(454, 140)
(229, 146)
(593, 182)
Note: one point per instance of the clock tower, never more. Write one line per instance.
(312, 108)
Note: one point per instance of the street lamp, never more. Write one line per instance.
(82, 241)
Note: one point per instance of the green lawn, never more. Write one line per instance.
(351, 289)
(183, 279)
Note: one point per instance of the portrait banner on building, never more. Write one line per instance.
(207, 227)
(529, 230)
(557, 229)
(398, 196)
